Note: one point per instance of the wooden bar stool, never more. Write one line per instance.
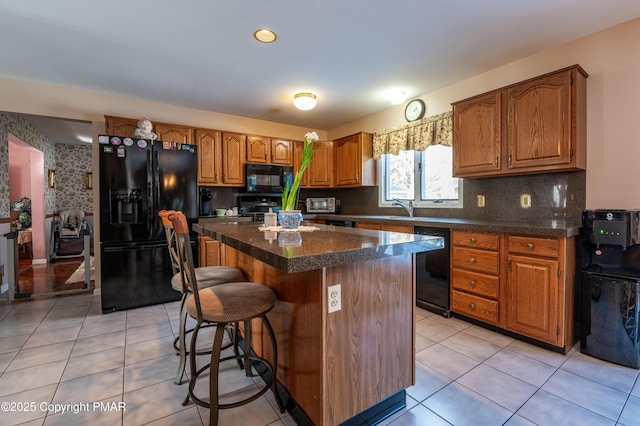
(221, 305)
(207, 276)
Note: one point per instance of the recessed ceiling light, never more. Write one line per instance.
(304, 101)
(265, 35)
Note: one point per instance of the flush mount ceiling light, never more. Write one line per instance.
(265, 35)
(304, 101)
(397, 97)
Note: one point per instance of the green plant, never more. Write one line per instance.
(290, 195)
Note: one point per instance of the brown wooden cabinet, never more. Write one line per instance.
(319, 174)
(535, 126)
(119, 126)
(234, 155)
(475, 275)
(539, 294)
(209, 144)
(174, 133)
(353, 161)
(264, 150)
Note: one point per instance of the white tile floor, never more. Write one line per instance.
(61, 351)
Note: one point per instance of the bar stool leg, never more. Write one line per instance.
(213, 375)
(274, 379)
(181, 341)
(247, 347)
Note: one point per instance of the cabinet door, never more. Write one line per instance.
(477, 135)
(321, 168)
(348, 161)
(297, 160)
(257, 149)
(209, 156)
(210, 251)
(281, 152)
(233, 158)
(539, 122)
(533, 298)
(118, 126)
(171, 133)
(368, 225)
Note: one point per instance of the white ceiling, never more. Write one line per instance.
(201, 53)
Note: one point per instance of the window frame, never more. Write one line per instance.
(383, 182)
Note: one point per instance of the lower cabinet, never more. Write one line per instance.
(522, 284)
(407, 229)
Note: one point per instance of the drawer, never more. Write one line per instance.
(484, 261)
(474, 306)
(476, 239)
(472, 282)
(534, 245)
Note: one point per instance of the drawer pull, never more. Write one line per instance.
(472, 283)
(472, 260)
(472, 305)
(472, 239)
(529, 245)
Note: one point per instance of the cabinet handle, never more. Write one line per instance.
(472, 283)
(472, 305)
(472, 260)
(529, 245)
(472, 239)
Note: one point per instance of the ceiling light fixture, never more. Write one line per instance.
(398, 97)
(265, 35)
(304, 101)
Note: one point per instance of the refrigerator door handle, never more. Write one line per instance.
(151, 205)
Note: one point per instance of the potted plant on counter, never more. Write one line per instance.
(289, 216)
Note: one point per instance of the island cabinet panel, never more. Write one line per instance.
(209, 252)
(209, 144)
(234, 158)
(535, 126)
(335, 365)
(353, 161)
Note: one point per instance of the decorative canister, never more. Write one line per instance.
(289, 219)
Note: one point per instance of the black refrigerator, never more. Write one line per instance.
(138, 178)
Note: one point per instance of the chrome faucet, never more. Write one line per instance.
(408, 206)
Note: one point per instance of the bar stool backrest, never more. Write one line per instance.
(171, 241)
(185, 256)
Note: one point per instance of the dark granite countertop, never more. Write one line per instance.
(225, 219)
(325, 247)
(547, 228)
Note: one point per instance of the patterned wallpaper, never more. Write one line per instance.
(70, 166)
(20, 128)
(72, 162)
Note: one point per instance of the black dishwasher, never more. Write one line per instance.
(432, 274)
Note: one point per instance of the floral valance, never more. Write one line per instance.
(417, 136)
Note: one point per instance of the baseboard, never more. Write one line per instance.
(39, 262)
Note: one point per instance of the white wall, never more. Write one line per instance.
(612, 60)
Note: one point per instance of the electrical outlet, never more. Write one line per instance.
(525, 201)
(335, 298)
(480, 200)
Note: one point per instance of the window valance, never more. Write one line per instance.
(417, 136)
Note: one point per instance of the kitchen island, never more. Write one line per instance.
(344, 319)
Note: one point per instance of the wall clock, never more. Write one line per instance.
(415, 110)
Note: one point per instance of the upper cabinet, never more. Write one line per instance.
(174, 133)
(319, 174)
(261, 149)
(119, 126)
(209, 144)
(353, 161)
(535, 126)
(234, 154)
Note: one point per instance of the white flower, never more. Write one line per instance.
(311, 136)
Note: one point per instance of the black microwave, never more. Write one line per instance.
(267, 178)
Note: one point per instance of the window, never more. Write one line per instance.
(423, 177)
